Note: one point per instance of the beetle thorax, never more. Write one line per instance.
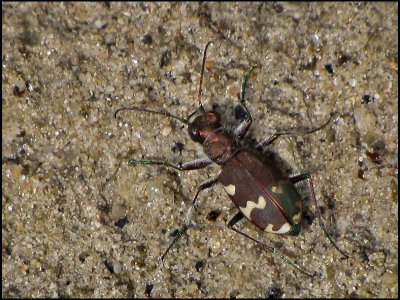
(220, 146)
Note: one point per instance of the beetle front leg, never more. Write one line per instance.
(301, 177)
(192, 165)
(243, 115)
(236, 218)
(241, 112)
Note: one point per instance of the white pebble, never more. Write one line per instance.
(166, 130)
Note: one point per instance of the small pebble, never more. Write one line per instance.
(166, 130)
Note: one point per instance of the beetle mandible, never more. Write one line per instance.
(263, 196)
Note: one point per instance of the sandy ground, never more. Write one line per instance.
(78, 221)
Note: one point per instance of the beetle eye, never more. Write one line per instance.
(194, 134)
(213, 117)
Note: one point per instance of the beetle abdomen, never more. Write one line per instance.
(269, 201)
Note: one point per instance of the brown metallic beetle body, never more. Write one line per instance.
(258, 189)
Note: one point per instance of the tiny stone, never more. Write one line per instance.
(19, 87)
(147, 39)
(329, 68)
(109, 89)
(315, 38)
(166, 130)
(192, 288)
(366, 99)
(99, 24)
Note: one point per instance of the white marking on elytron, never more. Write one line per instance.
(230, 189)
(284, 229)
(297, 218)
(250, 205)
(277, 189)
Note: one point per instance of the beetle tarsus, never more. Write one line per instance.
(177, 236)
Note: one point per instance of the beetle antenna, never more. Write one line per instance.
(163, 113)
(201, 76)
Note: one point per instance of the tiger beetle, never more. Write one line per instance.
(263, 196)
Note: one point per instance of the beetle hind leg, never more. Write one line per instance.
(301, 177)
(239, 216)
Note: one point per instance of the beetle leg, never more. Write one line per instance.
(205, 185)
(297, 178)
(241, 112)
(236, 218)
(261, 146)
(301, 177)
(177, 236)
(192, 165)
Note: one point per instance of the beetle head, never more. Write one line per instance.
(203, 125)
